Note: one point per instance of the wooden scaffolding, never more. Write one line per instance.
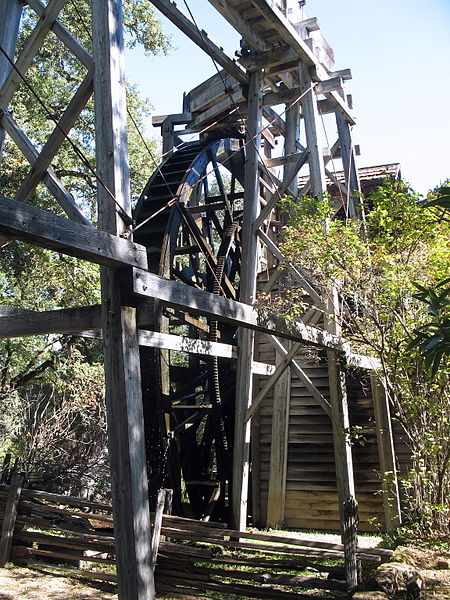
(146, 287)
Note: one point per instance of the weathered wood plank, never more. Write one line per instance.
(157, 524)
(51, 321)
(125, 421)
(178, 295)
(9, 519)
(386, 453)
(278, 463)
(31, 224)
(10, 13)
(248, 275)
(235, 18)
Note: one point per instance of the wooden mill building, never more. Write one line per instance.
(239, 410)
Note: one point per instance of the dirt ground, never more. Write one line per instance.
(17, 583)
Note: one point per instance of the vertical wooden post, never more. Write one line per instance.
(10, 13)
(386, 453)
(350, 541)
(9, 520)
(157, 524)
(244, 383)
(121, 350)
(354, 207)
(313, 137)
(291, 137)
(339, 410)
(276, 501)
(338, 393)
(5, 468)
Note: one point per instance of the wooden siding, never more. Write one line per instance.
(311, 493)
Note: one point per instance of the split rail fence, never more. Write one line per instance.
(75, 536)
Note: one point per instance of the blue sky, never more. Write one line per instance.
(399, 54)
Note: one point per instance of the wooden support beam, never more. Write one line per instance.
(272, 13)
(86, 320)
(55, 141)
(177, 119)
(273, 248)
(292, 138)
(20, 323)
(126, 438)
(30, 224)
(29, 51)
(336, 376)
(279, 161)
(157, 525)
(282, 189)
(329, 85)
(296, 368)
(235, 18)
(386, 453)
(353, 200)
(9, 519)
(65, 36)
(10, 13)
(52, 182)
(280, 369)
(168, 341)
(311, 117)
(172, 12)
(276, 497)
(184, 297)
(255, 60)
(249, 271)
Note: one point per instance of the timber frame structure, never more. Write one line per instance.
(284, 60)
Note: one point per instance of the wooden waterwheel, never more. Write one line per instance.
(189, 217)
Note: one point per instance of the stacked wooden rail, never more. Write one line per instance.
(75, 536)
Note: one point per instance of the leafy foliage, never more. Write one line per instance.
(433, 338)
(384, 274)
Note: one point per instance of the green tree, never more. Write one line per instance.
(51, 387)
(377, 271)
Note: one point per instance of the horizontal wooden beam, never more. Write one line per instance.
(175, 119)
(179, 295)
(15, 322)
(270, 58)
(30, 224)
(362, 361)
(168, 341)
(329, 85)
(86, 321)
